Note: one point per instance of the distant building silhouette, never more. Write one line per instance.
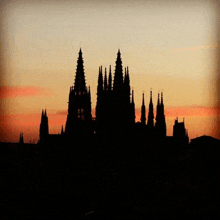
(115, 110)
(44, 128)
(21, 139)
(179, 131)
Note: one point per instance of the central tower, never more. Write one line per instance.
(79, 116)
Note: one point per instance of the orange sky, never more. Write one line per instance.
(168, 46)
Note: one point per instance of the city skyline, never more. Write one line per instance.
(39, 62)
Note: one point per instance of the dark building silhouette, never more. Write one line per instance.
(44, 128)
(150, 121)
(79, 115)
(21, 139)
(180, 132)
(160, 118)
(143, 112)
(114, 107)
(115, 110)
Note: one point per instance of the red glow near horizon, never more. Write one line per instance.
(12, 125)
(23, 91)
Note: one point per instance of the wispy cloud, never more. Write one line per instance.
(192, 111)
(23, 91)
(189, 49)
(61, 112)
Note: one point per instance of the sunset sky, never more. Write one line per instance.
(169, 46)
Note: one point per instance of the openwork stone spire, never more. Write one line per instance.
(80, 83)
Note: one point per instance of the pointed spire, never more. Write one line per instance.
(45, 113)
(21, 139)
(143, 112)
(158, 99)
(105, 80)
(118, 77)
(150, 120)
(161, 98)
(100, 82)
(80, 83)
(128, 75)
(110, 79)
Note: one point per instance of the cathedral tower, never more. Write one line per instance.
(79, 116)
(44, 130)
(160, 117)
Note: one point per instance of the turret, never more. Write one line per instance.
(44, 130)
(132, 108)
(158, 112)
(21, 139)
(100, 82)
(62, 132)
(80, 84)
(143, 112)
(110, 79)
(150, 121)
(118, 77)
(105, 81)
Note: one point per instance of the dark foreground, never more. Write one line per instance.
(105, 181)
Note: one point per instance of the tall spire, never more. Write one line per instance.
(143, 112)
(105, 80)
(21, 139)
(118, 77)
(158, 99)
(128, 75)
(132, 108)
(161, 104)
(110, 79)
(125, 75)
(150, 121)
(163, 121)
(80, 83)
(158, 112)
(100, 82)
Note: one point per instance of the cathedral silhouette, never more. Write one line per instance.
(115, 113)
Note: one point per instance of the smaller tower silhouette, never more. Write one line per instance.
(132, 108)
(105, 81)
(157, 125)
(62, 132)
(179, 132)
(150, 121)
(160, 117)
(44, 130)
(163, 121)
(143, 112)
(110, 79)
(21, 139)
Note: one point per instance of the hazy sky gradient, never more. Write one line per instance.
(168, 46)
